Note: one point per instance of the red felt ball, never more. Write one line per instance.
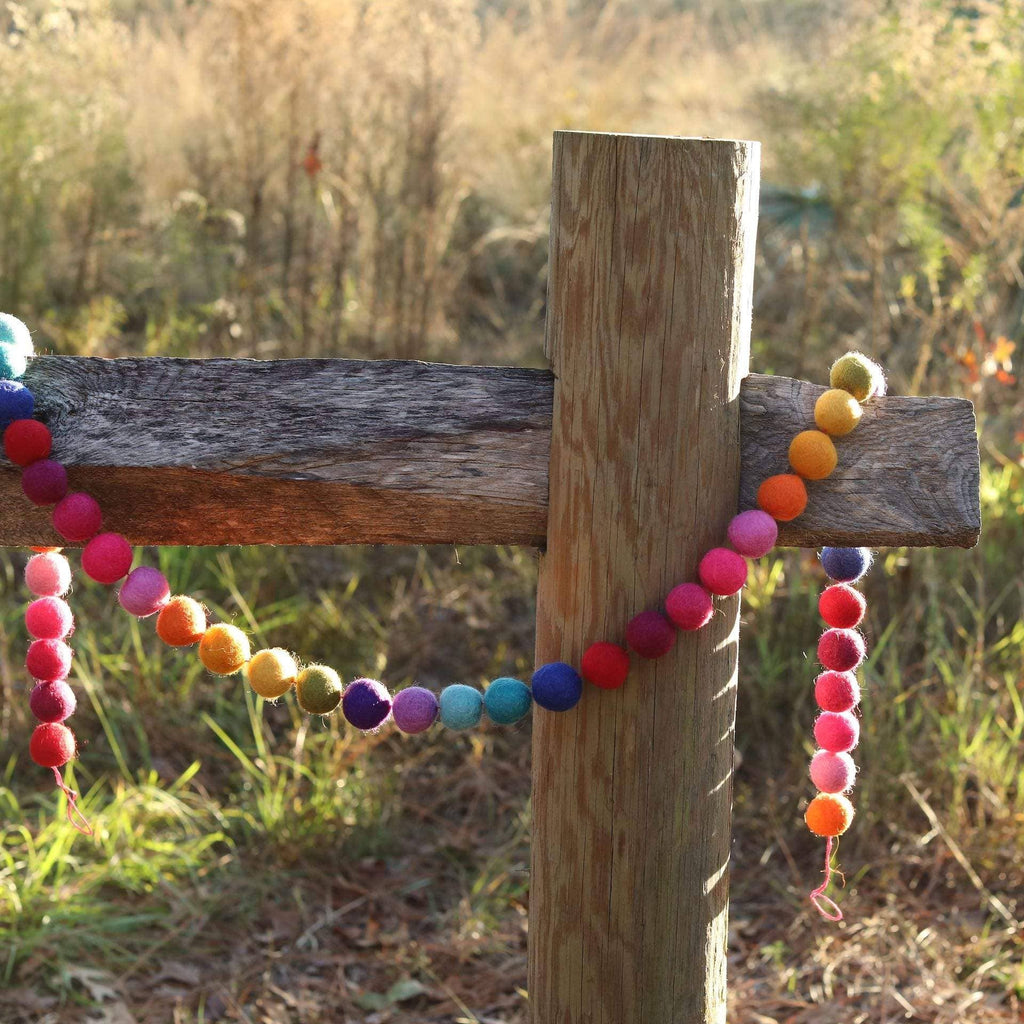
(77, 517)
(107, 558)
(841, 650)
(52, 745)
(836, 691)
(48, 660)
(723, 572)
(650, 634)
(52, 702)
(605, 665)
(841, 606)
(689, 606)
(49, 618)
(26, 441)
(44, 482)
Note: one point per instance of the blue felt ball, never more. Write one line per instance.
(557, 686)
(461, 706)
(507, 700)
(16, 402)
(13, 361)
(14, 332)
(845, 565)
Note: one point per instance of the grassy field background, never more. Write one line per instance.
(328, 177)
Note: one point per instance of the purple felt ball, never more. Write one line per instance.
(414, 709)
(753, 533)
(44, 482)
(52, 702)
(366, 704)
(145, 591)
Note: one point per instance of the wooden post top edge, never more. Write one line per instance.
(754, 144)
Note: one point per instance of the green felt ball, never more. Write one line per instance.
(13, 361)
(318, 690)
(857, 375)
(507, 700)
(461, 706)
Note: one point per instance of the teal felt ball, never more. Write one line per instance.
(507, 701)
(14, 332)
(461, 706)
(13, 361)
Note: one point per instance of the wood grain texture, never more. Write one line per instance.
(909, 474)
(342, 451)
(301, 451)
(648, 330)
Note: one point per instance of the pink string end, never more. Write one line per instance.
(825, 905)
(74, 811)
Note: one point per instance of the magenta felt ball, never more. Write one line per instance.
(107, 558)
(650, 634)
(723, 571)
(49, 618)
(832, 773)
(52, 702)
(836, 691)
(44, 482)
(836, 732)
(841, 649)
(414, 709)
(753, 533)
(48, 660)
(145, 592)
(689, 606)
(48, 574)
(841, 606)
(77, 517)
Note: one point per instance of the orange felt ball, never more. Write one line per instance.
(181, 622)
(783, 496)
(224, 649)
(812, 454)
(829, 814)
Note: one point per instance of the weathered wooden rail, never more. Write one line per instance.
(338, 451)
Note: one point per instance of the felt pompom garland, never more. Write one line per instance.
(366, 704)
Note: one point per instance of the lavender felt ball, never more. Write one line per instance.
(145, 592)
(366, 704)
(414, 709)
(753, 533)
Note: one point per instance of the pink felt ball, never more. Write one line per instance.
(689, 606)
(145, 591)
(48, 660)
(841, 649)
(77, 517)
(836, 691)
(107, 558)
(44, 482)
(49, 618)
(52, 702)
(832, 773)
(753, 533)
(48, 574)
(723, 571)
(836, 732)
(650, 634)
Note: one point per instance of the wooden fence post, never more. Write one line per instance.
(652, 253)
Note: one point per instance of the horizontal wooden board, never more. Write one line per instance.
(311, 451)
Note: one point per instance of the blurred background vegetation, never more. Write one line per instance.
(355, 178)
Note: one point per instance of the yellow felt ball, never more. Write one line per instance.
(271, 673)
(224, 649)
(837, 412)
(812, 454)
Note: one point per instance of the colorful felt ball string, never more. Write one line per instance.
(181, 620)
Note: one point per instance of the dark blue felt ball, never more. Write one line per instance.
(845, 565)
(16, 402)
(557, 686)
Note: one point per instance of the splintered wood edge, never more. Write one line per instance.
(307, 451)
